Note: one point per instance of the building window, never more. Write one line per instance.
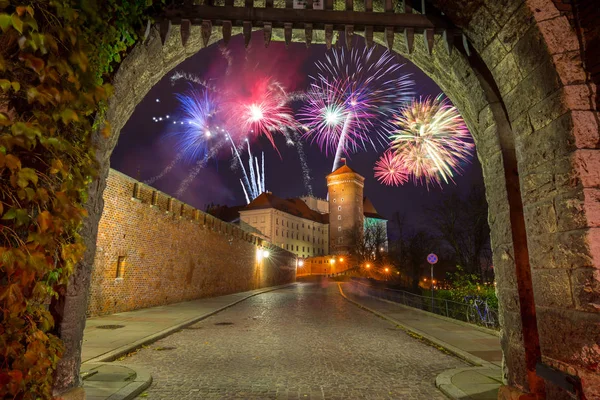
(296, 247)
(339, 228)
(297, 235)
(277, 221)
(120, 267)
(303, 224)
(288, 224)
(302, 237)
(339, 240)
(276, 232)
(342, 199)
(339, 208)
(287, 234)
(334, 200)
(339, 217)
(302, 248)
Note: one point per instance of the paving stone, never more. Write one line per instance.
(305, 342)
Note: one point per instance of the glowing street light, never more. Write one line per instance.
(387, 269)
(342, 259)
(332, 261)
(300, 263)
(266, 253)
(368, 266)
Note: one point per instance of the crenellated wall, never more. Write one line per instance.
(153, 249)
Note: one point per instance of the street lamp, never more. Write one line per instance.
(368, 266)
(300, 263)
(342, 259)
(387, 269)
(266, 253)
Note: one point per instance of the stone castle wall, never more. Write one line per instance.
(154, 250)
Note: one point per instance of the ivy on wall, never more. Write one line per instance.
(56, 61)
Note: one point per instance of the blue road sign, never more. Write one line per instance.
(432, 258)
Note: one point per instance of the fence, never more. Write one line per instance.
(476, 313)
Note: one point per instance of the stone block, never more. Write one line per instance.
(514, 358)
(564, 250)
(519, 23)
(502, 10)
(552, 288)
(580, 97)
(570, 211)
(570, 337)
(500, 231)
(504, 266)
(545, 145)
(543, 10)
(548, 110)
(538, 85)
(530, 51)
(587, 166)
(586, 129)
(540, 218)
(570, 67)
(506, 74)
(537, 186)
(558, 35)
(495, 191)
(508, 297)
(482, 28)
(586, 288)
(494, 53)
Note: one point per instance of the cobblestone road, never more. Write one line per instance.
(303, 342)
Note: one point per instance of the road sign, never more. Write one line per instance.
(432, 258)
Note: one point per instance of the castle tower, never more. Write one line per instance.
(345, 190)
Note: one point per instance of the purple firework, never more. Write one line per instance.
(351, 98)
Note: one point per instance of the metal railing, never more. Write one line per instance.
(474, 313)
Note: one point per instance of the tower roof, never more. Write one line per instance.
(344, 169)
(369, 210)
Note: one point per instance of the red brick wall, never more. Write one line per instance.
(173, 256)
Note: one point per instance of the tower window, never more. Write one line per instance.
(339, 217)
(334, 200)
(339, 208)
(342, 199)
(339, 228)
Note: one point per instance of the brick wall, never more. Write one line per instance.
(172, 256)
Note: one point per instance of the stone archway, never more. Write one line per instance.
(530, 105)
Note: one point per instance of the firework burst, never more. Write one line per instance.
(349, 101)
(264, 112)
(431, 139)
(390, 170)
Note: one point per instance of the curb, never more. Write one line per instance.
(469, 358)
(142, 381)
(125, 349)
(444, 382)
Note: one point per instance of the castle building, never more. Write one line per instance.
(312, 227)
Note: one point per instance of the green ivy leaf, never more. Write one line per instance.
(4, 84)
(10, 214)
(5, 22)
(17, 23)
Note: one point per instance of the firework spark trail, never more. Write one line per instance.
(254, 183)
(432, 140)
(165, 171)
(342, 143)
(179, 75)
(292, 139)
(200, 164)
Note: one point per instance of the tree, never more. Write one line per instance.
(369, 242)
(462, 225)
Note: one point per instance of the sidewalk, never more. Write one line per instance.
(109, 337)
(474, 345)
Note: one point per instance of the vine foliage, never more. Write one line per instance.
(56, 61)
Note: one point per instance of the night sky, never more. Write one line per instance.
(145, 148)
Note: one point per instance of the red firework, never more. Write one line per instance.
(264, 111)
(390, 170)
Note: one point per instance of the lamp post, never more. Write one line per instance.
(432, 259)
